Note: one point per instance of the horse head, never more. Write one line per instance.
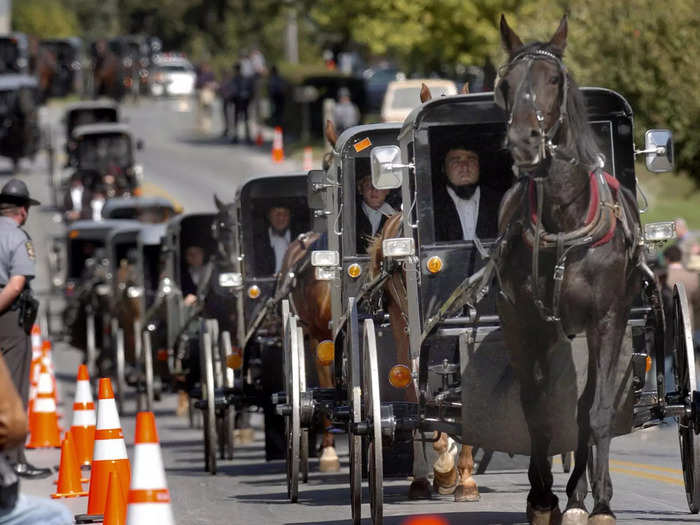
(223, 230)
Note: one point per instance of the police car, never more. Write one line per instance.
(173, 75)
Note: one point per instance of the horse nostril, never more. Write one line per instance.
(534, 133)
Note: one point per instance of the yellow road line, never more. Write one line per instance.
(647, 475)
(645, 466)
(639, 470)
(148, 189)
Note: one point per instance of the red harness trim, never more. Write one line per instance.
(593, 203)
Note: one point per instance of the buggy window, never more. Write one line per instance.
(100, 152)
(9, 56)
(81, 117)
(80, 251)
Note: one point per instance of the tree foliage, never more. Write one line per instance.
(44, 18)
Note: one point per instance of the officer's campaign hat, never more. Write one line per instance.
(15, 192)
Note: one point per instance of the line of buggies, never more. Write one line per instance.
(408, 361)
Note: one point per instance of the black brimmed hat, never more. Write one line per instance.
(15, 192)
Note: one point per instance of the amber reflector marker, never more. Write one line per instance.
(399, 376)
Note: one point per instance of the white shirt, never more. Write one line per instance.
(468, 211)
(195, 274)
(76, 196)
(375, 216)
(279, 244)
(97, 205)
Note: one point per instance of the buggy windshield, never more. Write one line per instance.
(81, 117)
(9, 56)
(104, 152)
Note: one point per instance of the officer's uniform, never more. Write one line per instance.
(17, 257)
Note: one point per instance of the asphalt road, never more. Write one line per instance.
(190, 167)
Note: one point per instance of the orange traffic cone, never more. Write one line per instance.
(115, 507)
(35, 338)
(149, 498)
(68, 485)
(277, 145)
(308, 159)
(83, 429)
(43, 424)
(47, 359)
(110, 451)
(259, 138)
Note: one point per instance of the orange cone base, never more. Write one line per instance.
(99, 481)
(69, 494)
(89, 518)
(84, 440)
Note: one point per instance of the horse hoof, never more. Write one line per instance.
(601, 519)
(445, 483)
(419, 489)
(245, 436)
(575, 517)
(543, 517)
(467, 493)
(328, 462)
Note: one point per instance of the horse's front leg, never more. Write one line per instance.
(328, 462)
(604, 346)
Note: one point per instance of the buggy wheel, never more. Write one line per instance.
(230, 410)
(373, 414)
(91, 350)
(304, 438)
(684, 357)
(354, 389)
(293, 419)
(210, 438)
(148, 369)
(139, 367)
(121, 375)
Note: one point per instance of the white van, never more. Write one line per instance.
(404, 95)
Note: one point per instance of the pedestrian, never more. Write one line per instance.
(206, 94)
(275, 89)
(17, 268)
(345, 114)
(242, 93)
(226, 92)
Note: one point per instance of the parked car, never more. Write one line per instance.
(376, 82)
(172, 75)
(404, 95)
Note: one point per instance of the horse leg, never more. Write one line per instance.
(604, 349)
(420, 487)
(467, 490)
(328, 462)
(444, 468)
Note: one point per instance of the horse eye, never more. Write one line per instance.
(554, 79)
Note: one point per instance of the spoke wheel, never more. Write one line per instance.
(373, 414)
(210, 438)
(304, 438)
(148, 369)
(230, 411)
(121, 374)
(352, 358)
(684, 357)
(293, 420)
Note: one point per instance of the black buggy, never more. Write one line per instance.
(20, 135)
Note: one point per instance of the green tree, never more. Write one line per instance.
(44, 18)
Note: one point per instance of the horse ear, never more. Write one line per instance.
(559, 38)
(425, 93)
(465, 89)
(331, 134)
(219, 205)
(511, 42)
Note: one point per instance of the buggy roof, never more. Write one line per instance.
(89, 105)
(114, 128)
(98, 230)
(16, 81)
(480, 108)
(272, 186)
(351, 136)
(138, 203)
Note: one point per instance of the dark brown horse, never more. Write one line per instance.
(564, 270)
(108, 72)
(42, 64)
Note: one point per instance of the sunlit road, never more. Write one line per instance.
(181, 163)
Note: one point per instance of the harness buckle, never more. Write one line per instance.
(559, 272)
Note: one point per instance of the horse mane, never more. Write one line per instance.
(374, 250)
(579, 134)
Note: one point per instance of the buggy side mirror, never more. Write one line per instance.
(316, 185)
(387, 169)
(658, 150)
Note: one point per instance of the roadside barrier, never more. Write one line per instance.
(277, 145)
(109, 454)
(43, 423)
(149, 498)
(115, 508)
(69, 482)
(83, 428)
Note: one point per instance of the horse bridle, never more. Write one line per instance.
(547, 136)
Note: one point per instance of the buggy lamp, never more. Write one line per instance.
(235, 359)
(354, 270)
(138, 172)
(73, 234)
(398, 247)
(659, 231)
(102, 289)
(321, 258)
(399, 376)
(230, 280)
(434, 264)
(325, 352)
(324, 274)
(162, 355)
(254, 291)
(132, 292)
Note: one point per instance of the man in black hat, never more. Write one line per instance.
(17, 268)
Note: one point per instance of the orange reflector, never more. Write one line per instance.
(648, 364)
(399, 376)
(354, 270)
(162, 354)
(325, 352)
(362, 145)
(434, 264)
(138, 191)
(73, 234)
(235, 360)
(254, 292)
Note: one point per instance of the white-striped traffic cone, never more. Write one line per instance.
(43, 423)
(83, 429)
(149, 498)
(35, 338)
(109, 454)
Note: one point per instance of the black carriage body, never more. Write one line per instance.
(490, 393)
(150, 210)
(70, 57)
(88, 112)
(20, 135)
(14, 54)
(150, 261)
(253, 200)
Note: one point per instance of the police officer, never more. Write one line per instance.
(17, 268)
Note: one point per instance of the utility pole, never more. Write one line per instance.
(5, 16)
(292, 36)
